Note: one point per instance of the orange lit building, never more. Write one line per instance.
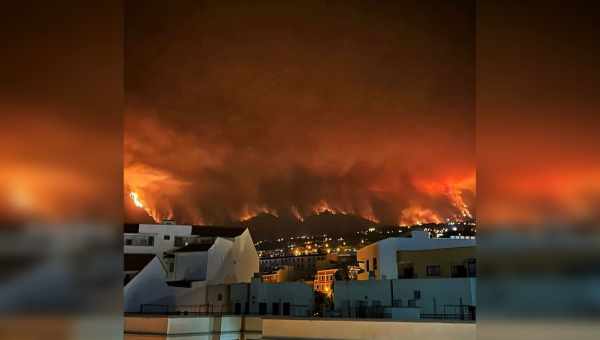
(271, 278)
(324, 280)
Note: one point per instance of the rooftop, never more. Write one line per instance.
(197, 230)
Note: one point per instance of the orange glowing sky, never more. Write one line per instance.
(366, 111)
(391, 111)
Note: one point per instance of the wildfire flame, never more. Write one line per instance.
(154, 191)
(294, 210)
(251, 212)
(418, 215)
(136, 200)
(455, 196)
(324, 207)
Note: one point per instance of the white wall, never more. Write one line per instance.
(158, 231)
(232, 260)
(275, 328)
(148, 287)
(192, 327)
(191, 266)
(299, 295)
(445, 291)
(232, 327)
(244, 258)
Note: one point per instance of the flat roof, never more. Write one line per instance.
(197, 230)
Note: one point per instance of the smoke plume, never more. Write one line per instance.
(364, 109)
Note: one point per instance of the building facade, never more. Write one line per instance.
(324, 279)
(262, 298)
(430, 298)
(437, 263)
(303, 266)
(380, 260)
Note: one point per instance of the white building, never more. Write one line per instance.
(261, 298)
(178, 266)
(380, 258)
(406, 299)
(160, 238)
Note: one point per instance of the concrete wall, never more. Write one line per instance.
(434, 293)
(148, 287)
(275, 328)
(298, 294)
(247, 327)
(192, 327)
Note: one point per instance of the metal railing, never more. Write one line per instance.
(448, 312)
(204, 309)
(453, 312)
(294, 310)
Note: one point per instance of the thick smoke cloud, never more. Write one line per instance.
(296, 108)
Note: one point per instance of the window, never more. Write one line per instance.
(471, 267)
(368, 266)
(459, 271)
(219, 297)
(374, 263)
(286, 308)
(178, 241)
(262, 308)
(171, 267)
(151, 241)
(433, 270)
(128, 242)
(406, 270)
(417, 294)
(167, 237)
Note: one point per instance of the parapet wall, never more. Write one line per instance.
(270, 328)
(276, 328)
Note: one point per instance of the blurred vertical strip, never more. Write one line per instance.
(538, 169)
(61, 99)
